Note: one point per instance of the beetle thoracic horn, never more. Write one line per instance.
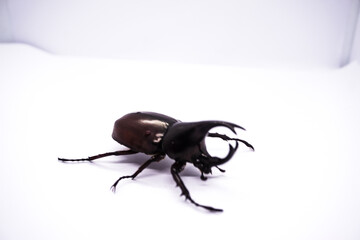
(193, 134)
(214, 161)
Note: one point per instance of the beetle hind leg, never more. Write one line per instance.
(154, 158)
(176, 168)
(116, 153)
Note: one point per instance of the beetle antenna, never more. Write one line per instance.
(116, 153)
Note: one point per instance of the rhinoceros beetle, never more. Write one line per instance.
(159, 135)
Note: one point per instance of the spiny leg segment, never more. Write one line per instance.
(176, 168)
(154, 158)
(116, 153)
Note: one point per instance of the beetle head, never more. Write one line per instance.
(185, 141)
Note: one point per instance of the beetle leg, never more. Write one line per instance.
(176, 168)
(202, 177)
(227, 138)
(154, 158)
(116, 153)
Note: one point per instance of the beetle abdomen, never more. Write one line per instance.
(142, 131)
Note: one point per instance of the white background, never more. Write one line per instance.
(303, 180)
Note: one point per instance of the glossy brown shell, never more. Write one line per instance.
(142, 131)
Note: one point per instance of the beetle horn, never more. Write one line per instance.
(214, 161)
(198, 130)
(183, 139)
(208, 125)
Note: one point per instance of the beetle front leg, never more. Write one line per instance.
(176, 168)
(155, 158)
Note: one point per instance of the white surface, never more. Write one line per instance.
(302, 182)
(227, 32)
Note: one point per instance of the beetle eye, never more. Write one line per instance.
(147, 132)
